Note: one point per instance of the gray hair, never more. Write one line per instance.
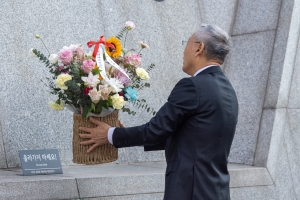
(216, 41)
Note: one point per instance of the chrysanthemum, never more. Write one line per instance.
(131, 94)
(118, 47)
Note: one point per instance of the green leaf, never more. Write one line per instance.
(73, 86)
(89, 57)
(96, 71)
(76, 73)
(85, 111)
(120, 34)
(93, 106)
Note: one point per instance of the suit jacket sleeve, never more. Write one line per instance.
(181, 104)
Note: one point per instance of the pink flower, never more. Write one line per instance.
(88, 66)
(65, 55)
(73, 47)
(79, 52)
(129, 25)
(133, 59)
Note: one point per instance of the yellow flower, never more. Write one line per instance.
(56, 106)
(117, 101)
(61, 79)
(118, 47)
(142, 73)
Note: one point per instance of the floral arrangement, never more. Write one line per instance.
(98, 82)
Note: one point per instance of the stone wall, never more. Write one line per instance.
(263, 67)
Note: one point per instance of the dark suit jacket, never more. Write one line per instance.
(195, 128)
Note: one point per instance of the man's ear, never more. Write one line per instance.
(200, 48)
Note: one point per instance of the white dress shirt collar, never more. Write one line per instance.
(200, 70)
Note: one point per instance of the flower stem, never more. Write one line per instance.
(140, 50)
(44, 45)
(125, 37)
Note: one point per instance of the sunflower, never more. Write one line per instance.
(118, 47)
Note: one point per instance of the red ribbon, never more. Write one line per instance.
(97, 45)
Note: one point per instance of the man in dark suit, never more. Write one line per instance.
(195, 126)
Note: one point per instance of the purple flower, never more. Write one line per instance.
(121, 77)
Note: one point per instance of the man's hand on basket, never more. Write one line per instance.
(121, 124)
(97, 136)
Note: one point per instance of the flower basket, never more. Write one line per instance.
(97, 84)
(102, 154)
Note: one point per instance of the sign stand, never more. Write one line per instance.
(44, 161)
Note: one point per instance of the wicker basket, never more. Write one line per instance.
(102, 154)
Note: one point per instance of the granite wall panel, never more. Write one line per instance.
(218, 12)
(3, 163)
(247, 68)
(283, 188)
(27, 121)
(281, 48)
(256, 16)
(270, 135)
(289, 67)
(264, 138)
(292, 140)
(295, 85)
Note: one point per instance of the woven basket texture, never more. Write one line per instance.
(102, 154)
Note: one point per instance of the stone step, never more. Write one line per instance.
(109, 181)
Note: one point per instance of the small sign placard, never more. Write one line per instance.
(36, 162)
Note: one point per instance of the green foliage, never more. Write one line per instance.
(73, 86)
(150, 67)
(96, 71)
(121, 33)
(128, 111)
(143, 105)
(44, 59)
(75, 72)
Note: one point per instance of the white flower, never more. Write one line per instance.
(110, 69)
(95, 95)
(73, 47)
(53, 58)
(144, 45)
(117, 83)
(56, 106)
(31, 54)
(130, 25)
(91, 80)
(142, 73)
